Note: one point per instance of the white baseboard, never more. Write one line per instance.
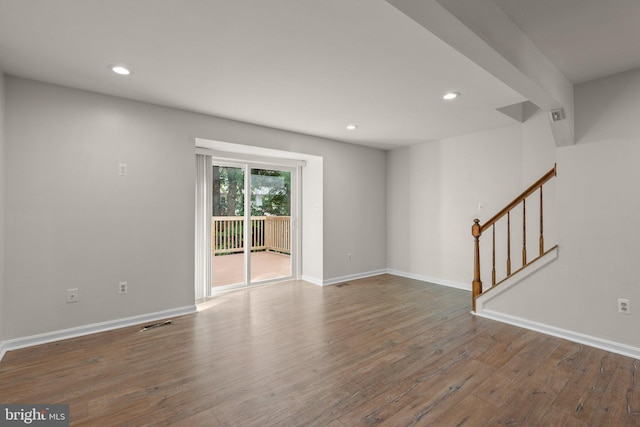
(341, 279)
(434, 280)
(312, 280)
(14, 344)
(577, 337)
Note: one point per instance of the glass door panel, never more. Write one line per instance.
(227, 226)
(270, 224)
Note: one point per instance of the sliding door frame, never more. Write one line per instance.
(295, 168)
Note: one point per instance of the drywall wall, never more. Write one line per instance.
(597, 206)
(355, 200)
(538, 157)
(434, 190)
(73, 222)
(312, 262)
(538, 146)
(399, 208)
(2, 185)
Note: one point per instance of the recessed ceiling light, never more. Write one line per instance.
(119, 69)
(450, 95)
(352, 127)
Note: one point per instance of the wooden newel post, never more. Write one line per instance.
(476, 288)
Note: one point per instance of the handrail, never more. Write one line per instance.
(477, 230)
(526, 193)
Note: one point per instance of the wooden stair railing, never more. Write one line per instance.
(477, 229)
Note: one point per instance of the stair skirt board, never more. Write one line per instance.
(538, 264)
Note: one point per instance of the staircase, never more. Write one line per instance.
(518, 206)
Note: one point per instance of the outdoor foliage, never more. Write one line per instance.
(228, 191)
(270, 192)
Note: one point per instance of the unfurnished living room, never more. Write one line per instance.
(319, 212)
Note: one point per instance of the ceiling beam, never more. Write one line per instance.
(482, 32)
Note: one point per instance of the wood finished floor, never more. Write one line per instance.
(378, 351)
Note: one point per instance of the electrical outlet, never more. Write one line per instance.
(72, 295)
(122, 169)
(349, 257)
(123, 287)
(624, 306)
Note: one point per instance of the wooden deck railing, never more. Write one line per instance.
(477, 229)
(277, 233)
(270, 233)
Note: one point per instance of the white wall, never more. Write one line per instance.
(312, 262)
(399, 209)
(598, 204)
(538, 147)
(434, 190)
(355, 212)
(538, 157)
(2, 184)
(73, 222)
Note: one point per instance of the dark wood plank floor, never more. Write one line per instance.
(378, 351)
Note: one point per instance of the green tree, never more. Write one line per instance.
(228, 191)
(270, 192)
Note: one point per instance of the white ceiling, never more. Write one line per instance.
(310, 66)
(585, 39)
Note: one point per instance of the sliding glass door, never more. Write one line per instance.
(252, 223)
